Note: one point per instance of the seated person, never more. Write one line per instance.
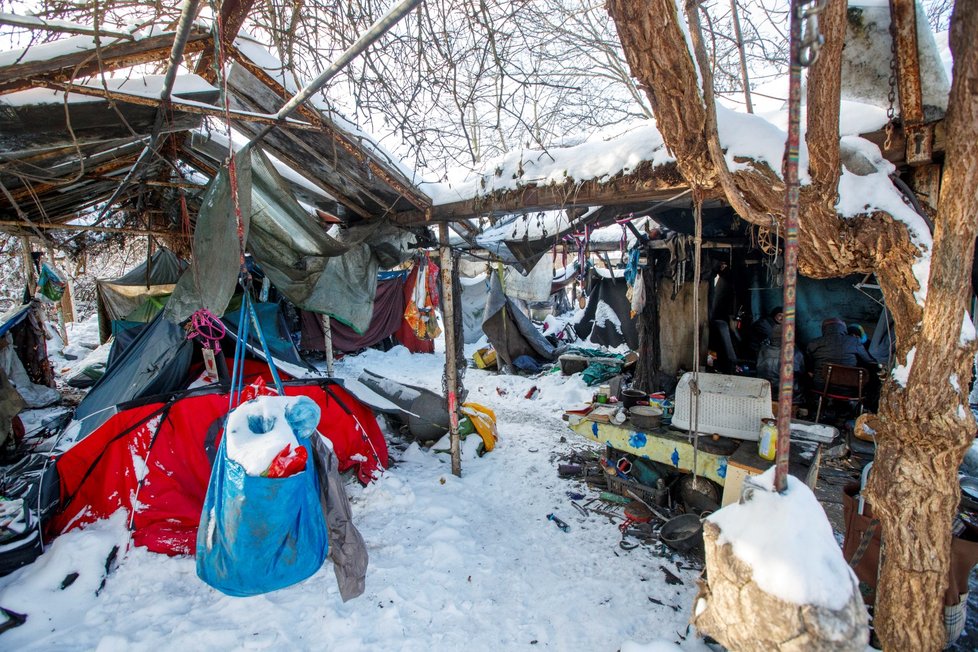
(769, 365)
(763, 329)
(836, 346)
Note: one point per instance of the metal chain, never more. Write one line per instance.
(811, 38)
(891, 94)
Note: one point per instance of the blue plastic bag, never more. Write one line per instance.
(260, 534)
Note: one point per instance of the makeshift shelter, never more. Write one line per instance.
(153, 459)
(510, 331)
(607, 320)
(139, 294)
(24, 355)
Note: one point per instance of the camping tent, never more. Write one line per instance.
(153, 459)
(138, 294)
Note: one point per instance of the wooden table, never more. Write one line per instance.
(725, 461)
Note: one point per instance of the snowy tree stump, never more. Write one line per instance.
(734, 610)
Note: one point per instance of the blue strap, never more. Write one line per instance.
(265, 349)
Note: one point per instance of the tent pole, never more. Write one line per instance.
(328, 338)
(451, 361)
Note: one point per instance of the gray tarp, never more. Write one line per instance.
(319, 271)
(475, 290)
(511, 332)
(212, 277)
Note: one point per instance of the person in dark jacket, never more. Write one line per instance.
(836, 346)
(769, 365)
(762, 329)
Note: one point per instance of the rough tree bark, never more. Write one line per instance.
(923, 429)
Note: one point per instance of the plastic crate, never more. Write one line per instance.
(622, 486)
(732, 406)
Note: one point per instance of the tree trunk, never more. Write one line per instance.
(923, 429)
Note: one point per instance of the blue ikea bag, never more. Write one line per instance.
(260, 534)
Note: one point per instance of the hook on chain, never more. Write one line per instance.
(812, 39)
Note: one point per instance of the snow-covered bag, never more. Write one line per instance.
(259, 534)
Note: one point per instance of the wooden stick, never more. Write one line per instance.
(451, 367)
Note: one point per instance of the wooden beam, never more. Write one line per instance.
(5, 224)
(38, 189)
(176, 104)
(903, 30)
(379, 168)
(646, 184)
(37, 23)
(22, 76)
(233, 14)
(448, 308)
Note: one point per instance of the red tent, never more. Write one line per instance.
(157, 457)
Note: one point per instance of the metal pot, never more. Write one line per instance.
(631, 397)
(646, 417)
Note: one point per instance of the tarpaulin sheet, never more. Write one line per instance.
(212, 277)
(393, 291)
(511, 332)
(273, 328)
(533, 286)
(607, 317)
(475, 291)
(100, 474)
(156, 362)
(319, 272)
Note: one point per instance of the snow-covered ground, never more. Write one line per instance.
(455, 563)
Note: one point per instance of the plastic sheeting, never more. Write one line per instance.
(475, 291)
(155, 362)
(511, 332)
(535, 285)
(329, 274)
(212, 277)
(607, 317)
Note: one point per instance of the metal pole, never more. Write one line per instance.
(451, 366)
(328, 335)
(792, 188)
(376, 30)
(694, 385)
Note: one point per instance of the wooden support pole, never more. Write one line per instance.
(30, 278)
(328, 338)
(451, 362)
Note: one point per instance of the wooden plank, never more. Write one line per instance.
(16, 224)
(46, 125)
(38, 189)
(21, 76)
(646, 184)
(202, 107)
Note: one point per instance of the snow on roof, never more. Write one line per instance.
(594, 159)
(70, 45)
(259, 54)
(788, 543)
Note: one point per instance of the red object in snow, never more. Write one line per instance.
(158, 456)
